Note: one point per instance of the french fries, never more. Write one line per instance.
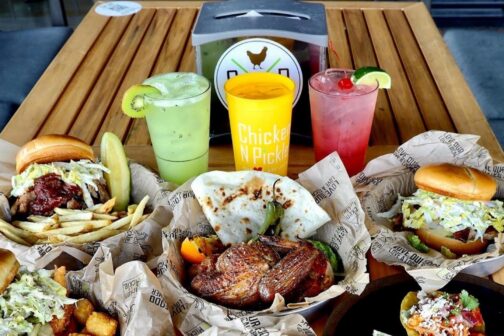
(35, 227)
(83, 216)
(75, 226)
(139, 212)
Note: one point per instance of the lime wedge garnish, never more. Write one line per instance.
(369, 76)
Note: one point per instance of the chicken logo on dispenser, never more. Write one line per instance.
(257, 55)
(258, 58)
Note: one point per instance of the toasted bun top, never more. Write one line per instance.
(454, 181)
(52, 148)
(9, 267)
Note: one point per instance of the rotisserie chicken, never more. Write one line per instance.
(249, 275)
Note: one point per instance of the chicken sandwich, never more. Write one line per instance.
(451, 211)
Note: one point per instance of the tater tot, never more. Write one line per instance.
(83, 309)
(100, 324)
(60, 325)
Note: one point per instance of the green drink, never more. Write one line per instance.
(177, 109)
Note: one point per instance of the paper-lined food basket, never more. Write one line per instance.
(331, 188)
(388, 176)
(111, 273)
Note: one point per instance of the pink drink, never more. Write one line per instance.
(341, 118)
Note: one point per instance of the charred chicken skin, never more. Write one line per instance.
(232, 279)
(249, 275)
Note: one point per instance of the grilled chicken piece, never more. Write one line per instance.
(207, 265)
(249, 275)
(234, 281)
(303, 272)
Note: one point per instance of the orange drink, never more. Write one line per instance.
(260, 113)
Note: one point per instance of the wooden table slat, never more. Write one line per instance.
(81, 91)
(167, 61)
(140, 68)
(462, 106)
(170, 55)
(36, 107)
(76, 93)
(402, 101)
(104, 90)
(383, 131)
(340, 57)
(425, 90)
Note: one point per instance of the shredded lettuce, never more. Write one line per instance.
(428, 209)
(81, 173)
(32, 299)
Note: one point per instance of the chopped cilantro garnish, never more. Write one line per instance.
(468, 301)
(455, 311)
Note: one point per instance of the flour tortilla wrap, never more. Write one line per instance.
(235, 204)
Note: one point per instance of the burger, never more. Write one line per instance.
(441, 313)
(36, 304)
(452, 211)
(56, 171)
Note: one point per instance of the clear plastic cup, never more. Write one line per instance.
(341, 118)
(179, 124)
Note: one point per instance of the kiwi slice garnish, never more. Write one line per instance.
(133, 102)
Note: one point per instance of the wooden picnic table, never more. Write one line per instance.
(80, 92)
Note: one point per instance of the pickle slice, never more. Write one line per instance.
(119, 178)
